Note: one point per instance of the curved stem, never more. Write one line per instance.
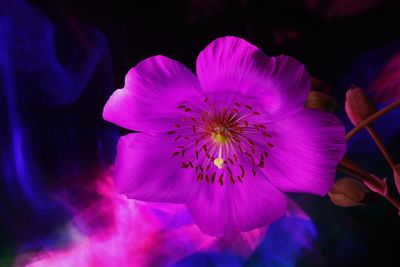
(372, 182)
(381, 146)
(371, 119)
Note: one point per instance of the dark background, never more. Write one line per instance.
(136, 30)
(334, 41)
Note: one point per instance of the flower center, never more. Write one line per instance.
(219, 141)
(219, 136)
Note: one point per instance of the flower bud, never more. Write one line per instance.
(358, 105)
(322, 101)
(348, 192)
(396, 175)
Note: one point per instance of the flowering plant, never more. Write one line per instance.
(228, 142)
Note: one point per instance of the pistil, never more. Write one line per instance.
(219, 161)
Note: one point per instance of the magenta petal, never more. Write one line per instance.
(153, 90)
(223, 210)
(146, 170)
(306, 150)
(232, 64)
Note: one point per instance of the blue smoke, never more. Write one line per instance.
(285, 243)
(54, 79)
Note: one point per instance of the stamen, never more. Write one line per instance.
(177, 138)
(213, 177)
(220, 179)
(242, 169)
(232, 129)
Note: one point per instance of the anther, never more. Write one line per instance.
(229, 170)
(242, 169)
(261, 164)
(220, 179)
(266, 134)
(201, 168)
(213, 177)
(205, 148)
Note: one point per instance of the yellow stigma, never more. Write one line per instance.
(219, 161)
(219, 138)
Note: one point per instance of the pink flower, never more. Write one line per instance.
(386, 86)
(228, 142)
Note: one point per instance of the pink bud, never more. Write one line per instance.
(322, 101)
(358, 105)
(348, 192)
(396, 176)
